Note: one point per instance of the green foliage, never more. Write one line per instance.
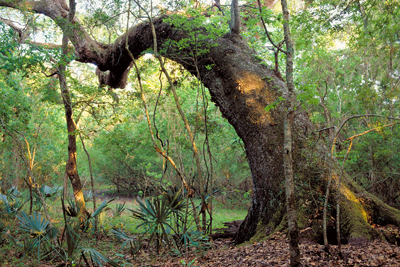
(166, 220)
(374, 162)
(347, 64)
(124, 155)
(175, 200)
(111, 122)
(43, 237)
(274, 104)
(202, 32)
(15, 106)
(16, 58)
(254, 33)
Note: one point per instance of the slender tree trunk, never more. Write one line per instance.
(327, 113)
(65, 183)
(30, 199)
(325, 212)
(32, 181)
(91, 178)
(38, 192)
(71, 167)
(294, 249)
(338, 197)
(372, 170)
(17, 169)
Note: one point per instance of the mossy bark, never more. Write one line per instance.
(360, 212)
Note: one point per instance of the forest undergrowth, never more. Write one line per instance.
(112, 235)
(273, 251)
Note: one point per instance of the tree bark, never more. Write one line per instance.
(241, 87)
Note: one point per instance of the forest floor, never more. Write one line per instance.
(274, 252)
(271, 252)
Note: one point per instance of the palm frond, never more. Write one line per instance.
(29, 244)
(13, 193)
(121, 236)
(52, 233)
(133, 241)
(175, 199)
(48, 191)
(155, 216)
(72, 209)
(119, 208)
(33, 224)
(146, 210)
(102, 207)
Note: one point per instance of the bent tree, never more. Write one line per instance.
(241, 87)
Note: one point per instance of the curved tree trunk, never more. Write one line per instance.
(241, 87)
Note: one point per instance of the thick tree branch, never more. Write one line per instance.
(11, 24)
(20, 4)
(218, 5)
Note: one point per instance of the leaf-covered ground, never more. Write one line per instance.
(274, 252)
